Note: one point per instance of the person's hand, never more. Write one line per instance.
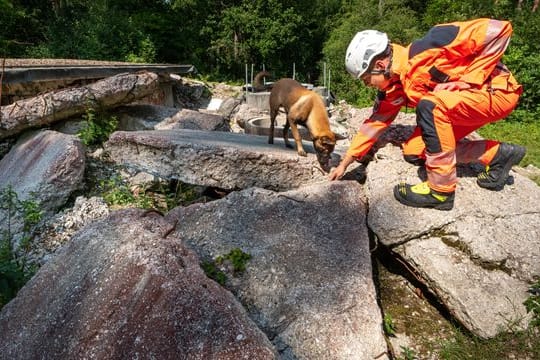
(336, 173)
(452, 86)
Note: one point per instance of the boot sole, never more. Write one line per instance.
(441, 206)
(515, 159)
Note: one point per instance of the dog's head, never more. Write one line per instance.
(324, 146)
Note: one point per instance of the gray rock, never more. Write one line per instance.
(142, 116)
(477, 258)
(194, 120)
(220, 159)
(229, 106)
(126, 288)
(61, 227)
(45, 166)
(309, 282)
(54, 106)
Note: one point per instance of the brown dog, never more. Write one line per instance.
(304, 107)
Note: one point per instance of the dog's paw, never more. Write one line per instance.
(302, 153)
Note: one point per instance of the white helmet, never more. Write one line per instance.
(363, 48)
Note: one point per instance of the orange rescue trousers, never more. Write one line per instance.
(444, 118)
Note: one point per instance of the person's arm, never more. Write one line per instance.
(385, 111)
(337, 172)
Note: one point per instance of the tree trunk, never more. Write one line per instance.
(58, 105)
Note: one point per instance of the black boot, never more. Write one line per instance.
(495, 175)
(421, 196)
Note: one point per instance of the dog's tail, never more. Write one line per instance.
(258, 81)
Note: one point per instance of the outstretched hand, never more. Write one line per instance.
(336, 173)
(452, 86)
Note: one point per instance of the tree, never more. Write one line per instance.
(21, 26)
(398, 21)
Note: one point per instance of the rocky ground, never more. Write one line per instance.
(419, 328)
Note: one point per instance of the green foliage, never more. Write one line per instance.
(408, 354)
(116, 192)
(14, 271)
(455, 10)
(532, 304)
(101, 29)
(397, 20)
(521, 131)
(523, 60)
(236, 258)
(517, 345)
(21, 26)
(178, 193)
(98, 127)
(388, 325)
(147, 52)
(258, 32)
(210, 269)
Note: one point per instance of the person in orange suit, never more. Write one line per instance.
(454, 78)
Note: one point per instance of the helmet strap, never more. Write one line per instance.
(388, 69)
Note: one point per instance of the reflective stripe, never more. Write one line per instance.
(371, 130)
(441, 159)
(496, 47)
(495, 43)
(441, 171)
(470, 151)
(493, 30)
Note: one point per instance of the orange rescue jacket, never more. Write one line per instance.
(460, 51)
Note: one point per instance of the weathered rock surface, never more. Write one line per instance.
(45, 166)
(194, 120)
(142, 116)
(309, 283)
(220, 159)
(478, 258)
(57, 105)
(124, 288)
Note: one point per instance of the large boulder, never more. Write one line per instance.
(215, 158)
(126, 287)
(479, 258)
(309, 282)
(43, 166)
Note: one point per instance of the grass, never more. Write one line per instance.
(525, 133)
(433, 333)
(519, 345)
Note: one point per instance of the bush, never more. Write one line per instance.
(98, 127)
(14, 270)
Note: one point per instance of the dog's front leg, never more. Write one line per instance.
(297, 138)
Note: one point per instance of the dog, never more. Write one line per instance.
(304, 107)
(258, 82)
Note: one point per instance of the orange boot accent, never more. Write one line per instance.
(492, 147)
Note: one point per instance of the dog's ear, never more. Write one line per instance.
(327, 141)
